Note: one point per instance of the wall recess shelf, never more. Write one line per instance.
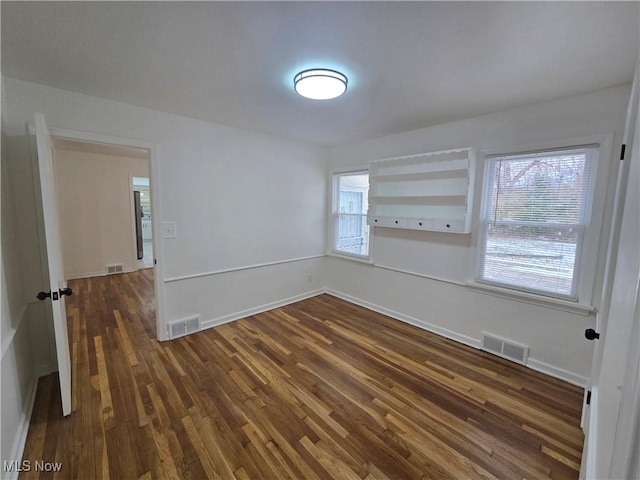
(428, 191)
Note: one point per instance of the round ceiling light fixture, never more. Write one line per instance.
(320, 84)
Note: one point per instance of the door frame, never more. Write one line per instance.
(154, 181)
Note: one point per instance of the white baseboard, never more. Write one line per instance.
(557, 372)
(100, 273)
(443, 332)
(74, 276)
(532, 363)
(259, 309)
(23, 428)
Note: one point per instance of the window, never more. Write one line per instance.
(351, 232)
(535, 214)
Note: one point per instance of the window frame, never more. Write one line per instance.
(334, 217)
(585, 268)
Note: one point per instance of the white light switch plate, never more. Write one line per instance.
(168, 229)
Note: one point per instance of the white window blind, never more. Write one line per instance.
(537, 208)
(350, 214)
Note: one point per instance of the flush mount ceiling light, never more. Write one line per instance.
(320, 84)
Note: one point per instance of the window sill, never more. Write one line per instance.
(353, 258)
(531, 298)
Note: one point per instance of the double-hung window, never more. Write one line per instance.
(535, 215)
(350, 204)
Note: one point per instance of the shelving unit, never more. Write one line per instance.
(428, 191)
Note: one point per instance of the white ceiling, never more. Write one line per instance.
(410, 64)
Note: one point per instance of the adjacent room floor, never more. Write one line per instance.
(147, 257)
(317, 389)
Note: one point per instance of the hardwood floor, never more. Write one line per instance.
(314, 390)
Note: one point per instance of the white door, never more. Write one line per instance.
(57, 282)
(612, 426)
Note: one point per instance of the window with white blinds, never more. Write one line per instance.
(536, 211)
(351, 232)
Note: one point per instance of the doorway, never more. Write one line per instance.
(92, 183)
(110, 148)
(143, 221)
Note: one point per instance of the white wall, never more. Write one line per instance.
(250, 214)
(555, 337)
(238, 199)
(95, 200)
(18, 374)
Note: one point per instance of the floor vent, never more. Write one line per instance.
(184, 327)
(116, 268)
(505, 348)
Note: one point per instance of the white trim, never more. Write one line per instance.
(351, 258)
(8, 337)
(260, 309)
(393, 269)
(100, 273)
(556, 144)
(541, 151)
(557, 372)
(17, 450)
(443, 332)
(531, 298)
(421, 275)
(90, 137)
(425, 154)
(589, 450)
(347, 170)
(237, 269)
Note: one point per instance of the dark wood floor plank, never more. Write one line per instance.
(316, 389)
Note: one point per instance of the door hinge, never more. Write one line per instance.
(622, 150)
(588, 402)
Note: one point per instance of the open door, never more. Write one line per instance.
(57, 282)
(612, 426)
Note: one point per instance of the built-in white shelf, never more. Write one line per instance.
(428, 191)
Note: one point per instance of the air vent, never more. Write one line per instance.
(505, 348)
(116, 268)
(184, 327)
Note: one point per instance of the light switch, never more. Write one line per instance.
(168, 229)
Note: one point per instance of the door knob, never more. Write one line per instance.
(43, 295)
(66, 291)
(591, 334)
